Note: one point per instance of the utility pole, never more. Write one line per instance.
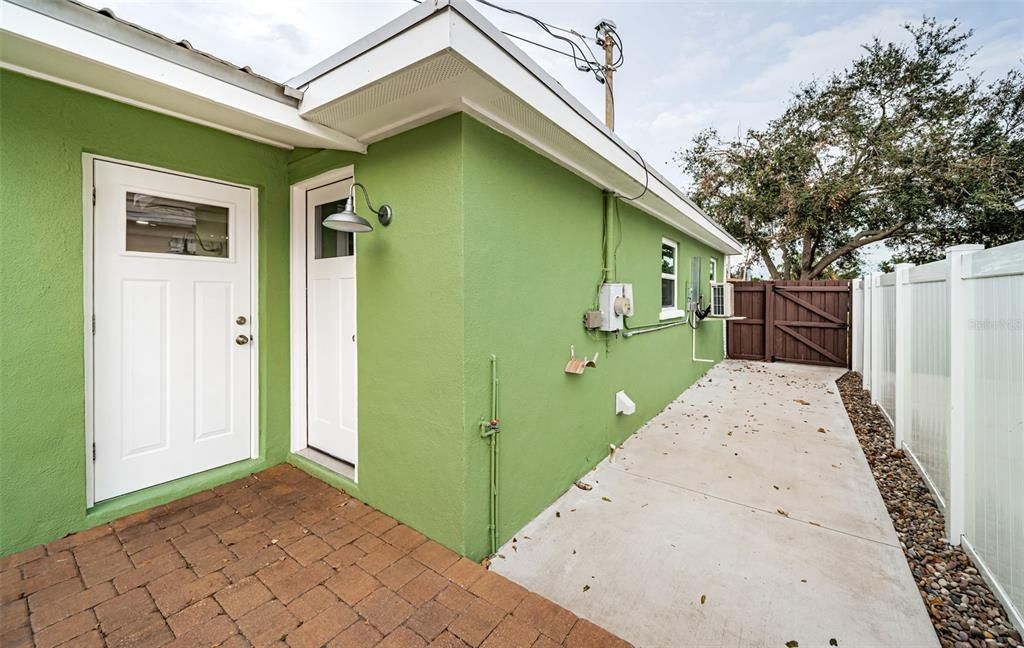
(604, 28)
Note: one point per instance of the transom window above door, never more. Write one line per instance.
(155, 224)
(332, 243)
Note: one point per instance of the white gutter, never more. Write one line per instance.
(41, 46)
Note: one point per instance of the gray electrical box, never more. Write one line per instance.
(693, 288)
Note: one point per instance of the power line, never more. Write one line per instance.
(581, 61)
(577, 53)
(583, 56)
(527, 40)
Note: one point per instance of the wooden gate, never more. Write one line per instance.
(792, 321)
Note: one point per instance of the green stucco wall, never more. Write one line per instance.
(409, 317)
(533, 263)
(493, 249)
(44, 130)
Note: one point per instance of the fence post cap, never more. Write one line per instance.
(968, 247)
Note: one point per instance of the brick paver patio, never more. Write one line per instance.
(277, 558)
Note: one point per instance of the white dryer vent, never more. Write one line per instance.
(624, 404)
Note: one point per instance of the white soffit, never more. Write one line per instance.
(42, 46)
(435, 61)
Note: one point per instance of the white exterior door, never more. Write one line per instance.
(172, 359)
(331, 327)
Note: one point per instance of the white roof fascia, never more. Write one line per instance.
(383, 34)
(428, 39)
(427, 30)
(38, 45)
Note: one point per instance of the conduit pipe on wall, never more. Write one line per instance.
(693, 347)
(609, 239)
(490, 430)
(650, 329)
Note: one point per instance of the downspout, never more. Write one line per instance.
(490, 429)
(609, 240)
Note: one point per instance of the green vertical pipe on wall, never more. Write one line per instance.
(609, 239)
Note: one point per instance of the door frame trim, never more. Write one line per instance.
(299, 332)
(88, 289)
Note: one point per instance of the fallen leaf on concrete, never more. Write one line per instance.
(792, 643)
(486, 563)
(558, 514)
(782, 513)
(586, 587)
(822, 430)
(582, 485)
(703, 597)
(801, 401)
(832, 641)
(607, 499)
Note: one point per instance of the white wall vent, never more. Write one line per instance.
(624, 404)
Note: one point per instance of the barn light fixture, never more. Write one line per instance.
(347, 220)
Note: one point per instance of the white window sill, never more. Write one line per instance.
(671, 313)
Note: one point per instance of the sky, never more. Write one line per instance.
(688, 65)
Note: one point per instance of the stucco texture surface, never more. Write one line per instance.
(533, 264)
(410, 328)
(494, 249)
(44, 130)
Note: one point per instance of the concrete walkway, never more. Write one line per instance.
(744, 514)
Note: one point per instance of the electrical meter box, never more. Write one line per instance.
(616, 303)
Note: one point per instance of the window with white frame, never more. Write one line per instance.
(669, 274)
(713, 271)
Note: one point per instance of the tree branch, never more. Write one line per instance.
(859, 240)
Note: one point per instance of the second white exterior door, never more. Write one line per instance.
(331, 328)
(172, 301)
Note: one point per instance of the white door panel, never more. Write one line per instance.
(331, 323)
(172, 272)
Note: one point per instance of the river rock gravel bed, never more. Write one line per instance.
(962, 607)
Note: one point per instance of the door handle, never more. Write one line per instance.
(240, 320)
(241, 339)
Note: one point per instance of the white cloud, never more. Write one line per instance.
(821, 52)
(689, 68)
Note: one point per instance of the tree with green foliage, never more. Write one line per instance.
(905, 146)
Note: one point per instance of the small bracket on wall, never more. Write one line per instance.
(578, 365)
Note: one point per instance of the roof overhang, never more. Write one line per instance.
(72, 45)
(443, 57)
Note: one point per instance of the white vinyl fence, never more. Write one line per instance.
(941, 349)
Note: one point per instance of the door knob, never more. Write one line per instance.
(241, 339)
(240, 320)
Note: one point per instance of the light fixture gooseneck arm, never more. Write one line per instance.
(366, 196)
(383, 214)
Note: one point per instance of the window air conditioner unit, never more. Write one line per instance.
(721, 300)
